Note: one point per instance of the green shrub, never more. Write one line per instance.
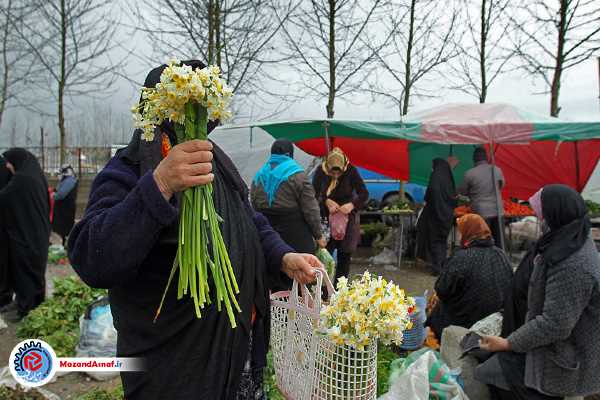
(102, 394)
(56, 320)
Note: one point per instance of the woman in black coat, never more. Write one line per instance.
(478, 267)
(6, 291)
(25, 199)
(435, 221)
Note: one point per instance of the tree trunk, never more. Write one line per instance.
(61, 82)
(332, 87)
(5, 74)
(407, 66)
(217, 25)
(211, 32)
(558, 68)
(482, 54)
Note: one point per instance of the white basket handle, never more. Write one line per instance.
(311, 303)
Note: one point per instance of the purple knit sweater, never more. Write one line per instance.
(122, 222)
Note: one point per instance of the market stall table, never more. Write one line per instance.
(398, 222)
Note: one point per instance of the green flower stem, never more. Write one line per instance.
(201, 246)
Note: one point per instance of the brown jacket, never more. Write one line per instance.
(295, 194)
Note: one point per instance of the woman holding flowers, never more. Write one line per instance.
(128, 240)
(341, 192)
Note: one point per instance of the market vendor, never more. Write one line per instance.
(550, 350)
(127, 241)
(477, 267)
(478, 184)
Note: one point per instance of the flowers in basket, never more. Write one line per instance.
(189, 98)
(365, 310)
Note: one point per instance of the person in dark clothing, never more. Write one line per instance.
(340, 190)
(282, 192)
(127, 241)
(554, 353)
(26, 202)
(65, 202)
(436, 218)
(478, 267)
(6, 286)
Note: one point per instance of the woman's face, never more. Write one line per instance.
(335, 173)
(10, 167)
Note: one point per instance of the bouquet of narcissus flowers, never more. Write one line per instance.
(365, 310)
(189, 99)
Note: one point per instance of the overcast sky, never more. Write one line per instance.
(579, 99)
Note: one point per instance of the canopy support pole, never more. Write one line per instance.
(577, 179)
(327, 143)
(497, 192)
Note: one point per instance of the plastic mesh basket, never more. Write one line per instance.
(309, 366)
(343, 372)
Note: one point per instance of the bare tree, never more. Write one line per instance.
(74, 41)
(485, 53)
(556, 36)
(237, 35)
(422, 41)
(16, 65)
(334, 45)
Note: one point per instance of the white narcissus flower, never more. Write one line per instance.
(179, 85)
(367, 309)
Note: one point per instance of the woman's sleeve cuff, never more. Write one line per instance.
(157, 206)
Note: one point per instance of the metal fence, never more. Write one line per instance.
(85, 160)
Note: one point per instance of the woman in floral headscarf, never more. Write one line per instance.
(341, 192)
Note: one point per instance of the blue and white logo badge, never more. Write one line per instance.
(33, 363)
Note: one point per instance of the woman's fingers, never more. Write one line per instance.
(198, 180)
(192, 146)
(204, 168)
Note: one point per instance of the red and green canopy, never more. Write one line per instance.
(531, 150)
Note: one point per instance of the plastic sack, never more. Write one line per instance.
(327, 260)
(489, 326)
(423, 376)
(338, 223)
(98, 336)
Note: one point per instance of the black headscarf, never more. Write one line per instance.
(25, 163)
(26, 196)
(565, 213)
(441, 195)
(283, 147)
(479, 154)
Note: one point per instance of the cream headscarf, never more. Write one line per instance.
(335, 159)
